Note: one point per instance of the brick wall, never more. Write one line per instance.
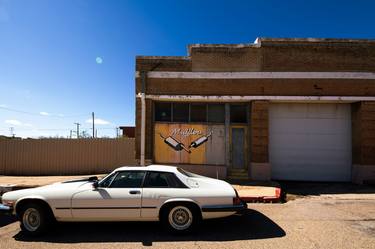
(259, 131)
(364, 133)
(226, 59)
(163, 63)
(318, 58)
(285, 56)
(288, 87)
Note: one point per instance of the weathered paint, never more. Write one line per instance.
(215, 147)
(209, 152)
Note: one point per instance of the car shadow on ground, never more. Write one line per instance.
(295, 189)
(6, 220)
(251, 225)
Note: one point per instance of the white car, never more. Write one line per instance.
(177, 198)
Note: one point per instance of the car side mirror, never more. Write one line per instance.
(95, 184)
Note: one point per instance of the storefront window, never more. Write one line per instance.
(216, 113)
(163, 112)
(238, 113)
(198, 113)
(180, 112)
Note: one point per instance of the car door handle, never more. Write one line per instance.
(134, 192)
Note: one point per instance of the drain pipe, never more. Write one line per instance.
(143, 117)
(143, 128)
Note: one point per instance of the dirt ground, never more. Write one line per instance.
(320, 220)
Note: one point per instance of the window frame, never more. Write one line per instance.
(122, 171)
(183, 185)
(154, 111)
(247, 110)
(207, 122)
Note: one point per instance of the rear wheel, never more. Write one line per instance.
(34, 219)
(180, 218)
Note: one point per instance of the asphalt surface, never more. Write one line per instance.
(322, 221)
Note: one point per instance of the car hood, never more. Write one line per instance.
(68, 188)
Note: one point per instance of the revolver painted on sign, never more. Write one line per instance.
(199, 141)
(174, 143)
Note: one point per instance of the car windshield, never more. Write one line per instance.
(105, 181)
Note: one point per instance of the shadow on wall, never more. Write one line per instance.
(252, 225)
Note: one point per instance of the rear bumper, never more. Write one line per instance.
(226, 208)
(5, 210)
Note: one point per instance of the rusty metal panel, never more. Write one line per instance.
(65, 156)
(215, 147)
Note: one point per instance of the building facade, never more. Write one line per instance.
(283, 109)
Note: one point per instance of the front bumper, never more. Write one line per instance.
(6, 210)
(226, 208)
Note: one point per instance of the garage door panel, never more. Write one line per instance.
(309, 111)
(303, 156)
(316, 142)
(310, 142)
(309, 125)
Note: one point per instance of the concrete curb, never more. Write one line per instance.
(264, 199)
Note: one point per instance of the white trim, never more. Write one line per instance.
(259, 75)
(226, 98)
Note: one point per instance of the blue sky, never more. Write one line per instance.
(61, 60)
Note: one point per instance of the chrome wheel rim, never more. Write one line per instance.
(180, 218)
(31, 219)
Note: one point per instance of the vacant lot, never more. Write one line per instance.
(319, 221)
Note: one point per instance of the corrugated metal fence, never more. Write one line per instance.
(64, 156)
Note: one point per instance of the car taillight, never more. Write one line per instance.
(236, 201)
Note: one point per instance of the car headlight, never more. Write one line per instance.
(8, 203)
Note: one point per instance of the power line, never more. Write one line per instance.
(58, 129)
(41, 115)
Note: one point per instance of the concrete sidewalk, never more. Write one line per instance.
(248, 191)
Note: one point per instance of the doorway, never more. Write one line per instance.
(238, 148)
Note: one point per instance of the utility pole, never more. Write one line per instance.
(70, 136)
(77, 124)
(93, 124)
(11, 129)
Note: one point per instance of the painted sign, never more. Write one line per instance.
(189, 143)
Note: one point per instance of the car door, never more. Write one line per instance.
(158, 187)
(118, 197)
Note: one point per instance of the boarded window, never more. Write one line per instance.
(238, 113)
(180, 112)
(198, 113)
(163, 112)
(216, 113)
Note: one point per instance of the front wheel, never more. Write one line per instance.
(180, 218)
(34, 219)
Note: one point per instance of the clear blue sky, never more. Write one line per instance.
(49, 50)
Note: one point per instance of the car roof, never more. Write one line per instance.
(163, 168)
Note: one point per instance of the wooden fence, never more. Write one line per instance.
(64, 156)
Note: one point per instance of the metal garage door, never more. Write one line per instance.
(310, 142)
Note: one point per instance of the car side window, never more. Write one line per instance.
(162, 180)
(128, 179)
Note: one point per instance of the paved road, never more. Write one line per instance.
(329, 221)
